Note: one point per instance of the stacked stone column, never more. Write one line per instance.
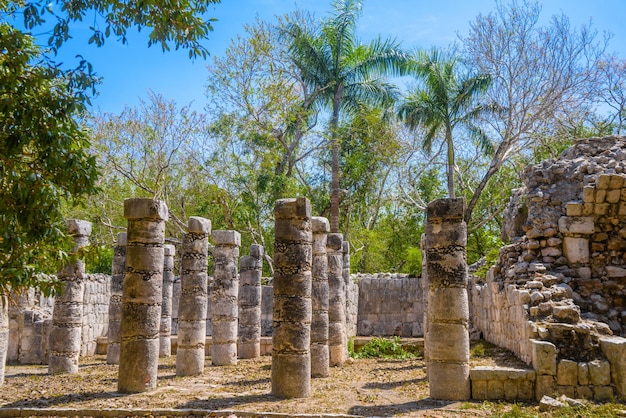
(319, 296)
(142, 295)
(224, 306)
(4, 334)
(250, 268)
(67, 317)
(291, 338)
(337, 339)
(447, 335)
(192, 306)
(118, 269)
(165, 331)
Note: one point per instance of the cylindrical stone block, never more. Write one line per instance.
(4, 334)
(118, 269)
(319, 299)
(337, 338)
(192, 309)
(291, 338)
(142, 295)
(165, 332)
(250, 270)
(224, 294)
(67, 317)
(447, 311)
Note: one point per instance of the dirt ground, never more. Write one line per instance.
(366, 387)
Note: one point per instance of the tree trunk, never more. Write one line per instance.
(4, 334)
(450, 162)
(334, 185)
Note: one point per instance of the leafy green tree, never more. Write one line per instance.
(43, 159)
(446, 99)
(341, 73)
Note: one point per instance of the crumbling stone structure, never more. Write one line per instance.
(319, 295)
(165, 331)
(352, 293)
(67, 317)
(250, 270)
(447, 320)
(192, 309)
(118, 269)
(291, 339)
(142, 295)
(557, 292)
(224, 293)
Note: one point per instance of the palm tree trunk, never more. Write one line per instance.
(450, 162)
(334, 185)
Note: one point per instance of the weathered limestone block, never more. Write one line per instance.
(250, 270)
(614, 348)
(599, 372)
(567, 373)
(544, 357)
(192, 308)
(577, 225)
(67, 317)
(142, 295)
(447, 336)
(576, 250)
(337, 338)
(165, 332)
(224, 306)
(291, 339)
(319, 299)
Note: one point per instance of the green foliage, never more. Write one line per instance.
(43, 159)
(98, 259)
(387, 348)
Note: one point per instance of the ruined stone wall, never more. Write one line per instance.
(562, 281)
(30, 321)
(389, 305)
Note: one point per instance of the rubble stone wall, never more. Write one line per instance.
(389, 305)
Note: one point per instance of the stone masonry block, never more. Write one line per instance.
(616, 181)
(576, 249)
(574, 209)
(544, 357)
(139, 208)
(567, 373)
(78, 227)
(198, 225)
(122, 239)
(576, 225)
(479, 390)
(614, 348)
(588, 194)
(603, 181)
(583, 374)
(226, 237)
(320, 224)
(293, 208)
(449, 209)
(600, 372)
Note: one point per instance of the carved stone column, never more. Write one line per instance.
(165, 331)
(118, 269)
(224, 306)
(319, 295)
(67, 317)
(142, 295)
(337, 339)
(447, 336)
(250, 270)
(291, 339)
(192, 306)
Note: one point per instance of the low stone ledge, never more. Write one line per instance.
(501, 373)
(73, 412)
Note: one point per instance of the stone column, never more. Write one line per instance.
(118, 269)
(4, 334)
(142, 295)
(447, 338)
(291, 338)
(67, 316)
(319, 299)
(250, 268)
(224, 307)
(337, 339)
(350, 320)
(192, 305)
(165, 330)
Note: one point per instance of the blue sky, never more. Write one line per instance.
(129, 71)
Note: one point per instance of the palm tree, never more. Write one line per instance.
(445, 100)
(343, 74)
